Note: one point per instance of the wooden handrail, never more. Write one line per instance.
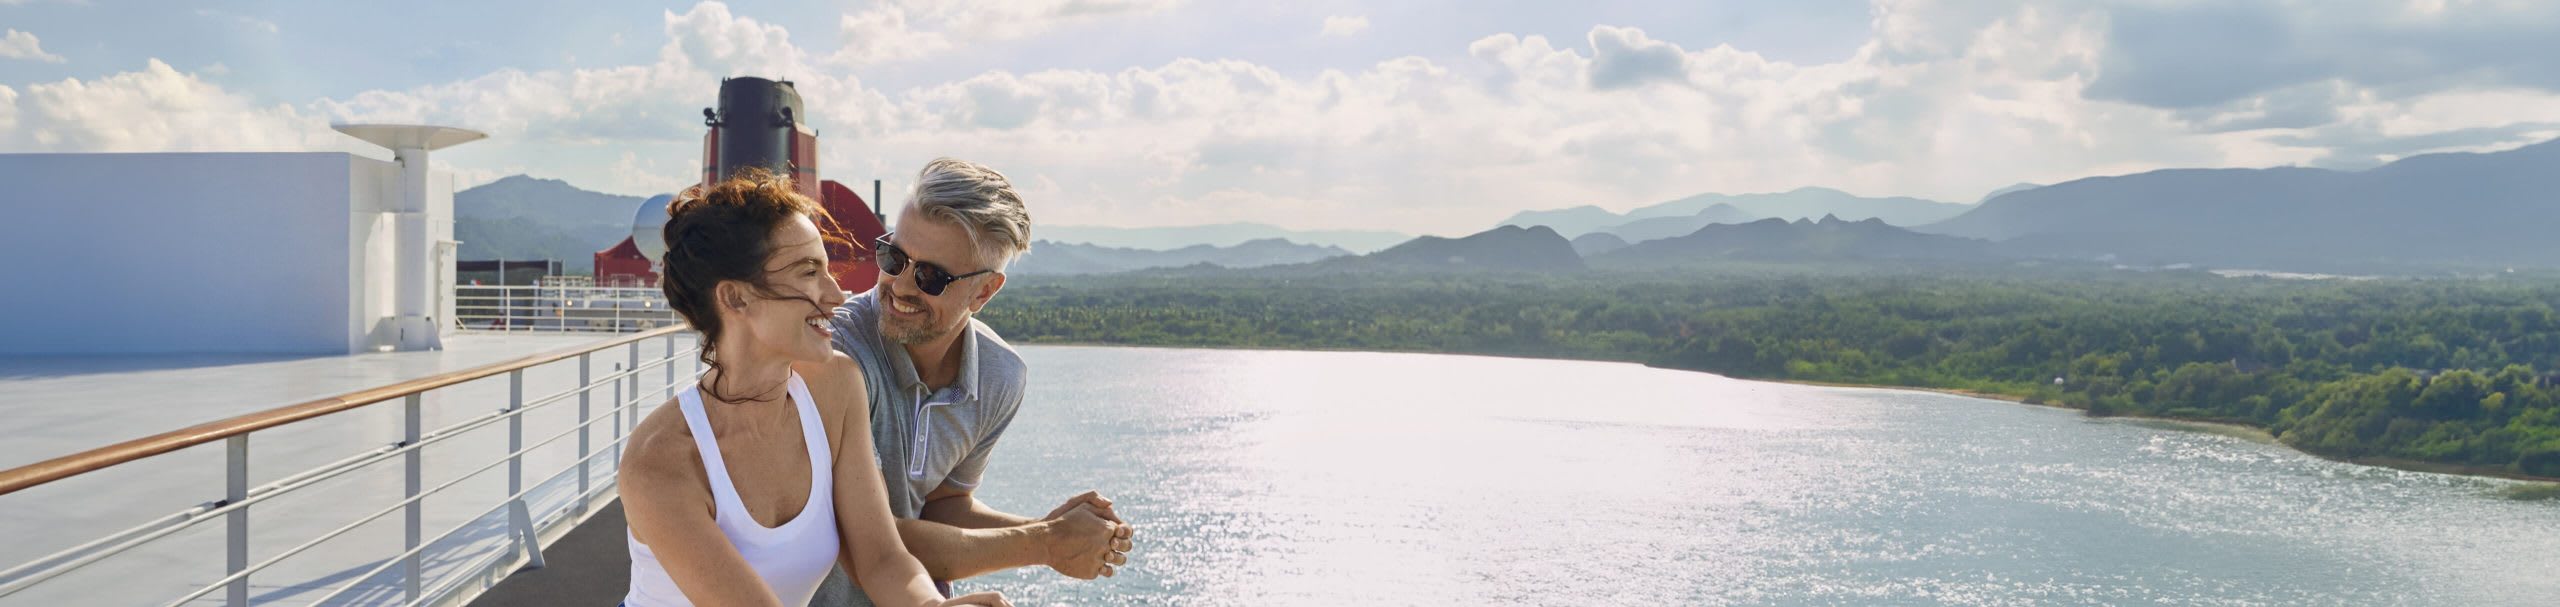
(39, 473)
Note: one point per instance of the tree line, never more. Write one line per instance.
(2455, 371)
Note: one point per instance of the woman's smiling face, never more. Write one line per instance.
(790, 319)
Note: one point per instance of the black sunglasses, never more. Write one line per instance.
(931, 279)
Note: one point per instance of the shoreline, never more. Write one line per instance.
(2241, 431)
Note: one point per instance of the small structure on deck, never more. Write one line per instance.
(250, 253)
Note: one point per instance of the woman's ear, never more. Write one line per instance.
(730, 295)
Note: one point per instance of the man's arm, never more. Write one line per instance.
(951, 505)
(959, 537)
(953, 553)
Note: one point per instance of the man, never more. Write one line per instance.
(944, 387)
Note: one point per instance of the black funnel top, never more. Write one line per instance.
(755, 121)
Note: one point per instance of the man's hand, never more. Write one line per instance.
(1101, 507)
(982, 599)
(1082, 543)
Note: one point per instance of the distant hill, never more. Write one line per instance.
(2491, 210)
(1507, 248)
(1061, 258)
(1596, 243)
(1573, 221)
(1685, 215)
(1808, 203)
(522, 217)
(1829, 239)
(1656, 228)
(2014, 187)
(1217, 235)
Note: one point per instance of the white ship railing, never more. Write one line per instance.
(629, 387)
(561, 308)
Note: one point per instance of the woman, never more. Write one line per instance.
(759, 478)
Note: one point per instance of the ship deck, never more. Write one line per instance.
(65, 404)
(589, 566)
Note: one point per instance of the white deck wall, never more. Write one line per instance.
(200, 252)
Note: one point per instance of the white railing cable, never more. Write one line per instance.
(523, 526)
(279, 487)
(583, 463)
(561, 308)
(396, 507)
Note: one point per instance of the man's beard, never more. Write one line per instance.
(905, 335)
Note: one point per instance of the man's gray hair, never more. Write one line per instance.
(979, 199)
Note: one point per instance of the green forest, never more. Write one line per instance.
(2455, 371)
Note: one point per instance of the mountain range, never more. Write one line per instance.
(2429, 212)
(1685, 215)
(1507, 248)
(1221, 235)
(2458, 209)
(522, 217)
(1539, 248)
(1063, 258)
(1777, 240)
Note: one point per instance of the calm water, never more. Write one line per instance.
(1293, 478)
(1305, 478)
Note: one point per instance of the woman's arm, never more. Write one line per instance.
(668, 503)
(873, 555)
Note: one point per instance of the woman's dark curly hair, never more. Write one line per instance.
(725, 232)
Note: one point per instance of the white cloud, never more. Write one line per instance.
(882, 34)
(1343, 27)
(8, 111)
(967, 21)
(1947, 99)
(1624, 57)
(153, 110)
(896, 30)
(245, 21)
(21, 45)
(657, 102)
(465, 178)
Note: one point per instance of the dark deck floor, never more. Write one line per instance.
(589, 566)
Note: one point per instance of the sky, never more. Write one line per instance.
(1431, 116)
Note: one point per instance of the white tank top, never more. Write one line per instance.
(791, 558)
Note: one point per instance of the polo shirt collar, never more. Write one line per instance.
(966, 381)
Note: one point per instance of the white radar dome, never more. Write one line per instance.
(648, 227)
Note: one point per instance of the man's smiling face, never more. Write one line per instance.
(908, 315)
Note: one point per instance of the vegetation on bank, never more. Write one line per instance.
(2533, 492)
(2451, 371)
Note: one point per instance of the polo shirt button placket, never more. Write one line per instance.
(916, 455)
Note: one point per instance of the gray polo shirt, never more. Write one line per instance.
(926, 437)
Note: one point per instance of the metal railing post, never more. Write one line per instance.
(416, 510)
(236, 535)
(586, 388)
(239, 496)
(515, 444)
(671, 365)
(635, 379)
(617, 416)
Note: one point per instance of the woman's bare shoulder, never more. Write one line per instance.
(836, 383)
(661, 450)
